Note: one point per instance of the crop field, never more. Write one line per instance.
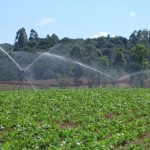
(64, 119)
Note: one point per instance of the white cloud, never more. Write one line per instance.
(132, 14)
(45, 21)
(100, 34)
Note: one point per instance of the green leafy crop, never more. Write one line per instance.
(75, 119)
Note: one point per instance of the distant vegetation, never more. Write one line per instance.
(110, 54)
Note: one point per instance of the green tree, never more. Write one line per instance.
(120, 58)
(140, 37)
(139, 57)
(33, 40)
(33, 35)
(77, 53)
(133, 38)
(21, 40)
(119, 61)
(104, 61)
(90, 51)
(54, 39)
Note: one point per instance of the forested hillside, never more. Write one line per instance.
(108, 54)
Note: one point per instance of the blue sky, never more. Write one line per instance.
(73, 18)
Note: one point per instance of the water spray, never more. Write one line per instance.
(21, 75)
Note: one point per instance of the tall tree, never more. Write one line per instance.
(33, 40)
(90, 51)
(21, 39)
(139, 58)
(54, 39)
(33, 35)
(120, 58)
(133, 38)
(140, 37)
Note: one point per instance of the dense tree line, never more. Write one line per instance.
(108, 54)
(34, 43)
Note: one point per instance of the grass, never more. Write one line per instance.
(75, 119)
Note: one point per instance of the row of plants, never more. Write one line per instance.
(75, 119)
